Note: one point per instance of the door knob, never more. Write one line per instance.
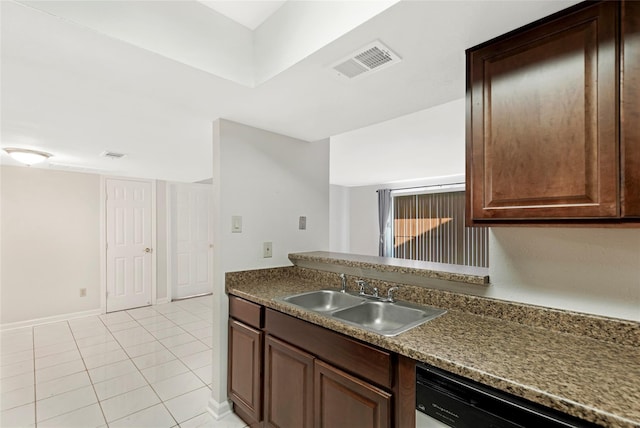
(148, 250)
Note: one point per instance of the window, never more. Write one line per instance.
(430, 226)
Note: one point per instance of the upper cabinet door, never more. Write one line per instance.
(630, 109)
(542, 120)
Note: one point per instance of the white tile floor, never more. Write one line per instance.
(146, 367)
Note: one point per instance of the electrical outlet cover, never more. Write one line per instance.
(267, 250)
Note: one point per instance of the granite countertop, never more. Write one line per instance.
(379, 266)
(592, 379)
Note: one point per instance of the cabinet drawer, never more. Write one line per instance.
(247, 312)
(358, 358)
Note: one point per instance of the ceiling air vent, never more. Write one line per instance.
(112, 155)
(370, 58)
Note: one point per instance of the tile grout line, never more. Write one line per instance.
(137, 368)
(87, 370)
(147, 380)
(178, 358)
(140, 371)
(206, 384)
(103, 324)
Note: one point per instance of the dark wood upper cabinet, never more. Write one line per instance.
(630, 109)
(543, 116)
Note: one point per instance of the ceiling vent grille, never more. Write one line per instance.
(112, 155)
(373, 57)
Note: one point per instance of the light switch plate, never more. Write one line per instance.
(236, 224)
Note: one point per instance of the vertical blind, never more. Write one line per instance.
(431, 227)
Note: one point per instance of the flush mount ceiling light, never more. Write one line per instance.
(26, 156)
(112, 155)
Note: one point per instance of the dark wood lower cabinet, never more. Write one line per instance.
(288, 386)
(288, 373)
(344, 401)
(404, 392)
(245, 371)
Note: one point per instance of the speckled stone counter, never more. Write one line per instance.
(583, 365)
(389, 269)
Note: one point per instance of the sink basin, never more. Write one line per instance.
(324, 300)
(385, 318)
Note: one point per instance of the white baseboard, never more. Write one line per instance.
(163, 301)
(219, 410)
(48, 320)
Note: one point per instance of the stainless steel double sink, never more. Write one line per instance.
(372, 314)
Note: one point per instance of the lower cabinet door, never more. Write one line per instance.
(341, 400)
(288, 384)
(245, 371)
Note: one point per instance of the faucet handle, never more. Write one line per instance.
(390, 292)
(343, 287)
(363, 284)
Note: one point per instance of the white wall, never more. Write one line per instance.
(339, 219)
(50, 246)
(270, 180)
(588, 270)
(425, 144)
(49, 221)
(161, 250)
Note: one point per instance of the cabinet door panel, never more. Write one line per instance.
(630, 110)
(245, 370)
(341, 400)
(543, 111)
(288, 396)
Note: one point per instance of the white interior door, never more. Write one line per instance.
(129, 238)
(191, 258)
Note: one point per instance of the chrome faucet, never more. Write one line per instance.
(362, 284)
(343, 277)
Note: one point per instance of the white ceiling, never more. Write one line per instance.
(76, 89)
(248, 13)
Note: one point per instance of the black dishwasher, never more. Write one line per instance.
(446, 400)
